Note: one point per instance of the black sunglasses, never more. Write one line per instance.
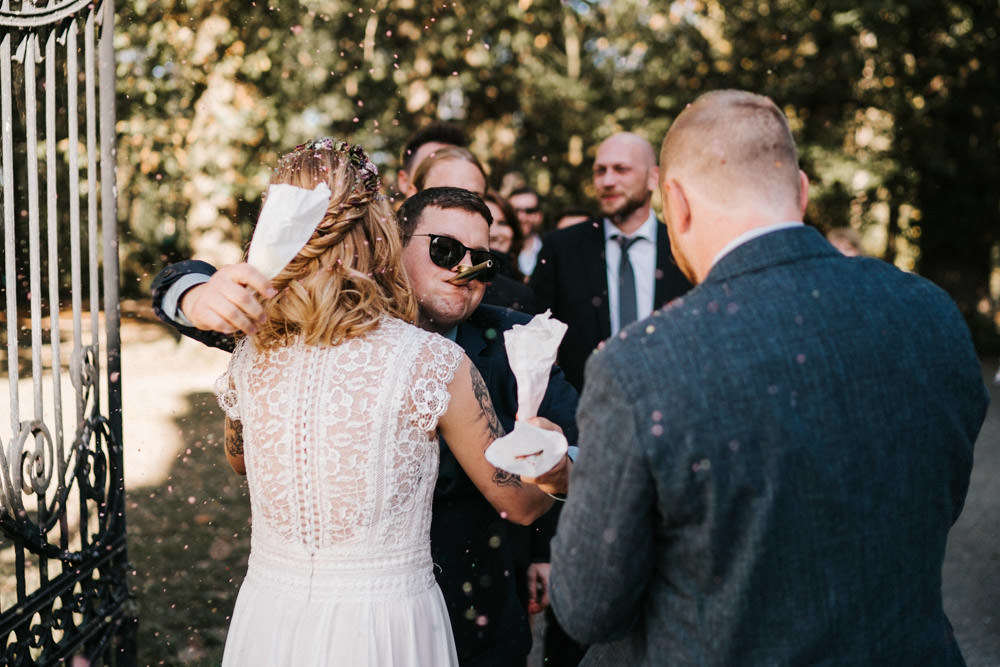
(447, 252)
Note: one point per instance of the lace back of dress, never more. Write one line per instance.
(339, 441)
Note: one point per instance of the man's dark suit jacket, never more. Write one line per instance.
(769, 468)
(506, 292)
(571, 279)
(472, 552)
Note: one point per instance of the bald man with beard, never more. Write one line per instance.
(579, 271)
(579, 277)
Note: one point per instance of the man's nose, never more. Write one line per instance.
(462, 262)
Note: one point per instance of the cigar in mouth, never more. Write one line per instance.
(465, 275)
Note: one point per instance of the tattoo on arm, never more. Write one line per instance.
(504, 478)
(500, 477)
(234, 438)
(485, 404)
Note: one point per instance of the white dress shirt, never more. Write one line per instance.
(170, 303)
(528, 256)
(642, 254)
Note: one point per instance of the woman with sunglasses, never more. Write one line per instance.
(334, 407)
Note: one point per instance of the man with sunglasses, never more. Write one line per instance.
(445, 232)
(528, 207)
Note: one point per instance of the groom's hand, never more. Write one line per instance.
(556, 480)
(226, 303)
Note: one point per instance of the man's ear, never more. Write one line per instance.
(678, 209)
(803, 192)
(402, 182)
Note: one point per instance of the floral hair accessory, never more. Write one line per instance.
(366, 169)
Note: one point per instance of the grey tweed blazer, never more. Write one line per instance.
(769, 468)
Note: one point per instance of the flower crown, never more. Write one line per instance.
(366, 169)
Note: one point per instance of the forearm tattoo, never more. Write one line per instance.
(500, 477)
(234, 438)
(485, 404)
(504, 478)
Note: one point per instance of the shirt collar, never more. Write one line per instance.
(646, 231)
(752, 234)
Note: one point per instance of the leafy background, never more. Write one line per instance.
(893, 104)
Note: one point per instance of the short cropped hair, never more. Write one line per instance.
(409, 214)
(443, 155)
(734, 142)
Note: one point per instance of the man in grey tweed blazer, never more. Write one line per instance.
(770, 465)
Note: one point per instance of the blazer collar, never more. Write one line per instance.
(778, 247)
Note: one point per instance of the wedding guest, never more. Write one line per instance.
(769, 466)
(586, 278)
(527, 204)
(424, 141)
(505, 234)
(846, 240)
(340, 401)
(449, 166)
(589, 282)
(452, 166)
(470, 542)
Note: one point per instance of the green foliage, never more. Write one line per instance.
(893, 103)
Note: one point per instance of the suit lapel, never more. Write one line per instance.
(663, 262)
(597, 277)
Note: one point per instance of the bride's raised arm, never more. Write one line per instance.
(469, 426)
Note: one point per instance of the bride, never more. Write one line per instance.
(340, 401)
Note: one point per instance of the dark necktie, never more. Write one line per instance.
(627, 312)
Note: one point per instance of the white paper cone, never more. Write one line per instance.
(287, 220)
(531, 352)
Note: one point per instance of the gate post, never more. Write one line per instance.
(62, 494)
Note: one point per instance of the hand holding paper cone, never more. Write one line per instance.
(528, 450)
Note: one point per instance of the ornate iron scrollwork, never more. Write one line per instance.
(27, 14)
(62, 502)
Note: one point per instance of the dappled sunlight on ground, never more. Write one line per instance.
(158, 375)
(188, 512)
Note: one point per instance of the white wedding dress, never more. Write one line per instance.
(342, 458)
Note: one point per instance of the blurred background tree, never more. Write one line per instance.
(893, 104)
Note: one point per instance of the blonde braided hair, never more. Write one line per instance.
(349, 273)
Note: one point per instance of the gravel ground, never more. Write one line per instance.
(972, 564)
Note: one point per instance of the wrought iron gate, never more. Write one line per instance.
(63, 565)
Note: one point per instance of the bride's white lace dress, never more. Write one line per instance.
(341, 457)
